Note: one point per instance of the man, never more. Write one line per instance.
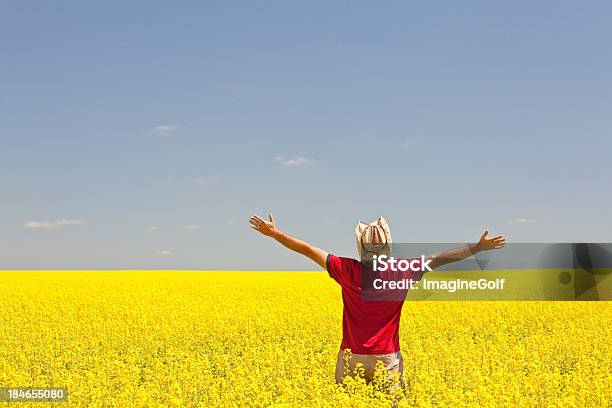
(370, 326)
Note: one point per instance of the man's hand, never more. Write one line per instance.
(458, 254)
(267, 228)
(486, 244)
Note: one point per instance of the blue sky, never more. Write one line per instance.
(144, 134)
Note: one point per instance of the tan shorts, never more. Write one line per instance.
(393, 364)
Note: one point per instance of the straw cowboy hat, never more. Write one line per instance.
(373, 239)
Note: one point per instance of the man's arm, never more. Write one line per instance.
(268, 228)
(457, 254)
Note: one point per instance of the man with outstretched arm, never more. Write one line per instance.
(370, 329)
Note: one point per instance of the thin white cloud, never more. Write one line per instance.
(165, 130)
(230, 222)
(52, 224)
(521, 220)
(210, 179)
(193, 227)
(163, 252)
(294, 162)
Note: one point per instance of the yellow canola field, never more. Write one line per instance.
(183, 339)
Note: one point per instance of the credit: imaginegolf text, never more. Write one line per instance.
(383, 263)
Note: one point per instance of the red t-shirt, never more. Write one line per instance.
(368, 327)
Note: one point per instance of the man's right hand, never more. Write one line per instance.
(267, 228)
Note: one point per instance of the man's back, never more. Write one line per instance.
(370, 324)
